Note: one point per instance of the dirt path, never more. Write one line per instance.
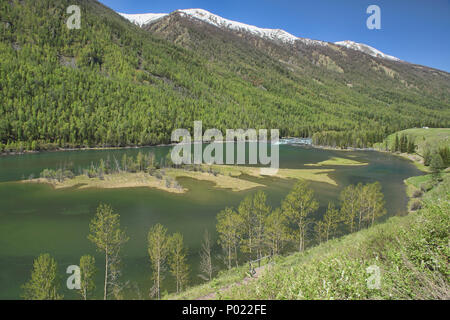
(258, 273)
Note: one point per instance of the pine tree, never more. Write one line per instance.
(436, 165)
(396, 143)
(427, 156)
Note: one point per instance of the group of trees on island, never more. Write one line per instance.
(252, 231)
(142, 162)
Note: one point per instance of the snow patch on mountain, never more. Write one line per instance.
(143, 19)
(366, 49)
(271, 34)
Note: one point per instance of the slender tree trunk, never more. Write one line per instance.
(106, 275)
(229, 257)
(157, 282)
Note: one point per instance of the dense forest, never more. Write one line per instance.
(111, 83)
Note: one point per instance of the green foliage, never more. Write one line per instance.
(298, 205)
(177, 261)
(158, 250)
(87, 276)
(331, 221)
(44, 282)
(276, 231)
(109, 239)
(229, 227)
(411, 253)
(361, 205)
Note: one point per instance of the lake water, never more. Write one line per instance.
(36, 219)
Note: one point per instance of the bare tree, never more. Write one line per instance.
(206, 266)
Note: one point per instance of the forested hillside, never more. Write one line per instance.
(113, 84)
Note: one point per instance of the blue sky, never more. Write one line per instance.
(416, 31)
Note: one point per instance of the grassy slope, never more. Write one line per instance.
(432, 137)
(411, 251)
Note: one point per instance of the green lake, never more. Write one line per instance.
(36, 219)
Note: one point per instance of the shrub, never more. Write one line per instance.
(415, 205)
(417, 193)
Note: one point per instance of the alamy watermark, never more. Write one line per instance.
(213, 153)
(74, 280)
(374, 281)
(374, 20)
(74, 21)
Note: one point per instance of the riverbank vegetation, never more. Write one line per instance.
(405, 257)
(428, 148)
(252, 231)
(144, 171)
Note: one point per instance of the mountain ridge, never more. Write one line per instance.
(272, 34)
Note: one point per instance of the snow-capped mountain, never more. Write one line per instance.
(366, 49)
(269, 34)
(208, 17)
(143, 19)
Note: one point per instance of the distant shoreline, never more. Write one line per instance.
(15, 153)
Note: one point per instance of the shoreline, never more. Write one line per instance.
(25, 152)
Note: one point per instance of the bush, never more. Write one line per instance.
(417, 193)
(426, 186)
(415, 205)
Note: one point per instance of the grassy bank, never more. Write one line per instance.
(411, 253)
(336, 161)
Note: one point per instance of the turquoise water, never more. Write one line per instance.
(35, 218)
